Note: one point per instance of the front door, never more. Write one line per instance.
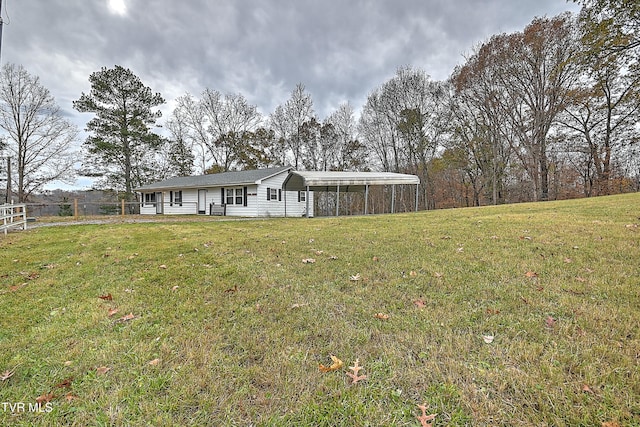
(159, 204)
(202, 202)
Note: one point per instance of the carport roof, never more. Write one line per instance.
(347, 181)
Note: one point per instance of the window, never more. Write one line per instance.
(229, 200)
(302, 196)
(273, 194)
(177, 197)
(239, 196)
(150, 198)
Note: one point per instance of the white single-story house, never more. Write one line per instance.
(251, 193)
(274, 192)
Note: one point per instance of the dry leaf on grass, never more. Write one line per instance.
(106, 297)
(154, 362)
(231, 290)
(112, 311)
(70, 397)
(424, 418)
(66, 383)
(337, 364)
(354, 375)
(355, 277)
(308, 261)
(175, 288)
(550, 322)
(45, 398)
(488, 338)
(162, 266)
(381, 316)
(127, 317)
(6, 375)
(531, 274)
(102, 370)
(419, 303)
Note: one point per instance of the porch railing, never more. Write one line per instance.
(13, 216)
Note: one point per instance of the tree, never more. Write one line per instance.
(121, 136)
(287, 121)
(610, 25)
(38, 136)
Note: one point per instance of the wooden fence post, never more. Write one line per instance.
(122, 206)
(75, 208)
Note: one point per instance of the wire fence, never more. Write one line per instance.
(77, 209)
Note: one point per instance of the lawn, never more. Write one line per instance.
(524, 314)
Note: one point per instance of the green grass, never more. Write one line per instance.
(251, 357)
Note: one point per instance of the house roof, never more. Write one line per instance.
(348, 181)
(215, 180)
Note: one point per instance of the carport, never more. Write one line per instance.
(340, 181)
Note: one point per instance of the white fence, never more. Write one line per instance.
(13, 216)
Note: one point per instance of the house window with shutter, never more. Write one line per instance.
(302, 196)
(150, 199)
(177, 197)
(230, 194)
(272, 194)
(239, 196)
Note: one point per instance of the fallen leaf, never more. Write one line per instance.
(154, 362)
(413, 273)
(308, 261)
(298, 305)
(587, 389)
(437, 275)
(175, 288)
(610, 424)
(102, 370)
(337, 364)
(355, 278)
(45, 398)
(531, 274)
(65, 383)
(568, 260)
(6, 375)
(375, 259)
(492, 311)
(69, 397)
(319, 252)
(231, 290)
(581, 279)
(419, 303)
(354, 376)
(333, 257)
(112, 311)
(381, 316)
(488, 338)
(424, 418)
(460, 249)
(106, 297)
(127, 317)
(162, 266)
(68, 363)
(550, 322)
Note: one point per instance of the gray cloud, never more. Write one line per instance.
(262, 49)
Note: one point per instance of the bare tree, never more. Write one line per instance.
(38, 136)
(288, 120)
(216, 124)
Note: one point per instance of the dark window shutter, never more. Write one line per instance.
(244, 193)
(268, 193)
(170, 198)
(299, 193)
(222, 196)
(279, 195)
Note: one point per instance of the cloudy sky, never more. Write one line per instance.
(339, 49)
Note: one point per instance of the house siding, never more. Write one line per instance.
(255, 195)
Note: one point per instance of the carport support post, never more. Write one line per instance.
(306, 198)
(393, 198)
(417, 185)
(337, 199)
(366, 198)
